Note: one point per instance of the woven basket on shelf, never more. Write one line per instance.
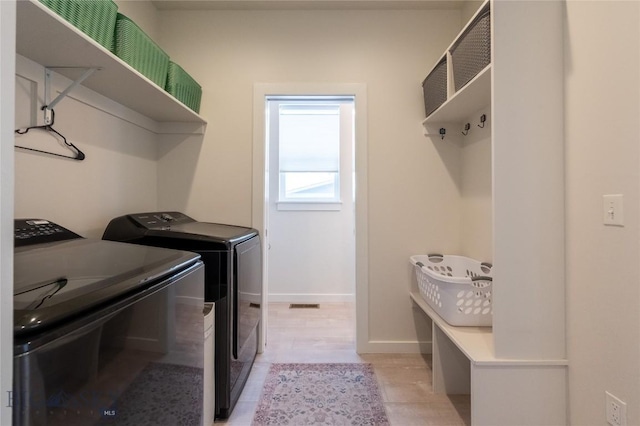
(183, 87)
(434, 87)
(472, 52)
(96, 18)
(137, 49)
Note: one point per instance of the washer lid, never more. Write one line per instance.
(212, 232)
(55, 281)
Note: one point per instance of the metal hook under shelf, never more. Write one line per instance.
(483, 118)
(466, 129)
(440, 133)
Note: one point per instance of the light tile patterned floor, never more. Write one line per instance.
(327, 334)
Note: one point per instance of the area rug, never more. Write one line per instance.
(163, 394)
(320, 394)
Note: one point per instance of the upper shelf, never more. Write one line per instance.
(474, 96)
(46, 38)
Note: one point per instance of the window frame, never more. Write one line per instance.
(346, 117)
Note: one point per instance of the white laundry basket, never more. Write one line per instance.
(458, 288)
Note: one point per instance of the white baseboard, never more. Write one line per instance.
(394, 347)
(310, 298)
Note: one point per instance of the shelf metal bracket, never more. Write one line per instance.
(48, 105)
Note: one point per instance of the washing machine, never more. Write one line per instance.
(233, 282)
(102, 328)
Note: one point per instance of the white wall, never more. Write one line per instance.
(118, 176)
(476, 209)
(411, 192)
(602, 47)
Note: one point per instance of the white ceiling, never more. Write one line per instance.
(305, 4)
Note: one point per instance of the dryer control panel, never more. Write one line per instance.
(160, 219)
(39, 231)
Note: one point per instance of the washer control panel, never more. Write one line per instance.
(39, 231)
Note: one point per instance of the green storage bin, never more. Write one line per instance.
(136, 48)
(183, 87)
(96, 18)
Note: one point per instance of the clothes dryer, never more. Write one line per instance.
(233, 282)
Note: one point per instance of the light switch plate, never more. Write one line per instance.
(613, 209)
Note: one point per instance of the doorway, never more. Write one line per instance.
(311, 209)
(265, 194)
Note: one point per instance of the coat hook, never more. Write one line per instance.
(483, 118)
(466, 129)
(441, 132)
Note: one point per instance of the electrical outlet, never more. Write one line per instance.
(616, 410)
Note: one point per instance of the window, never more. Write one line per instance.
(310, 141)
(309, 152)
